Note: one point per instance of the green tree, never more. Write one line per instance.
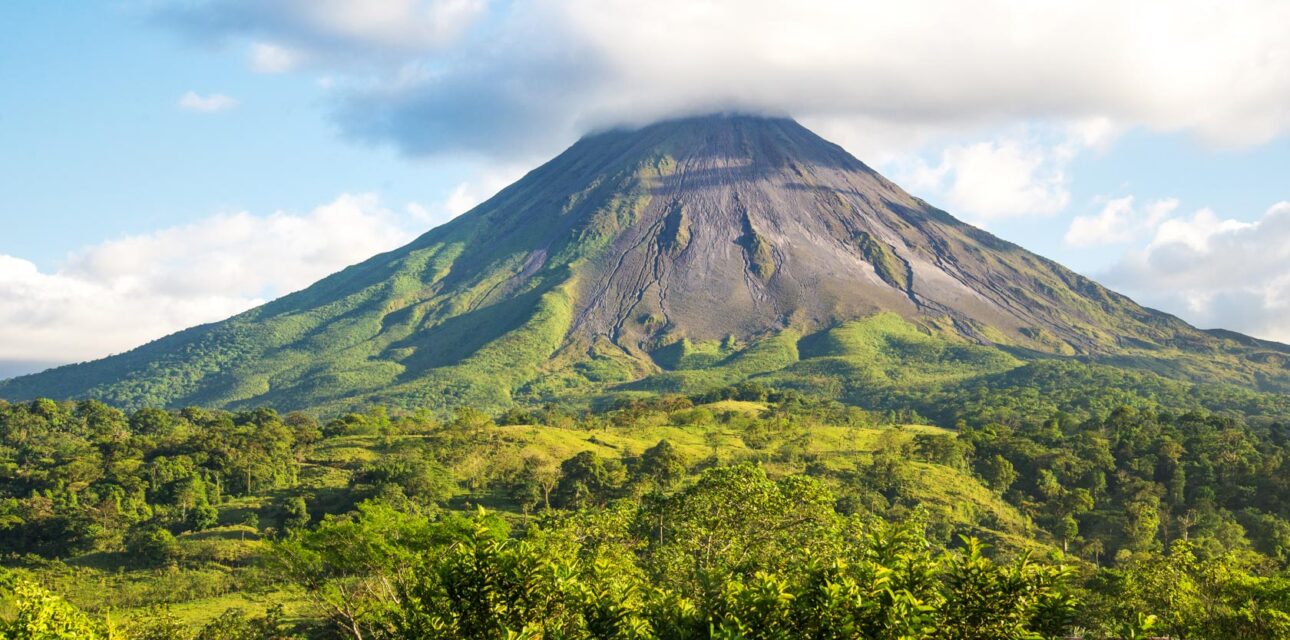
(295, 513)
(234, 624)
(662, 465)
(736, 520)
(587, 479)
(152, 545)
(424, 481)
(469, 420)
(41, 615)
(986, 601)
(999, 473)
(349, 567)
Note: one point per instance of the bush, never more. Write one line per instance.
(152, 545)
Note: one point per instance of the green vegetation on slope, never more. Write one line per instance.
(849, 362)
(465, 315)
(886, 264)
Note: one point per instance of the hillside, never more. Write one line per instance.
(215, 567)
(774, 513)
(687, 253)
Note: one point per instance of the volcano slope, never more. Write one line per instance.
(683, 255)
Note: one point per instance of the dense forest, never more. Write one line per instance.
(746, 512)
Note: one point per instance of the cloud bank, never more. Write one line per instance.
(1120, 220)
(122, 293)
(447, 76)
(1215, 272)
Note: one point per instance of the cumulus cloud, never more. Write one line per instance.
(1010, 176)
(121, 293)
(1216, 272)
(1119, 221)
(192, 101)
(446, 75)
(466, 195)
(272, 58)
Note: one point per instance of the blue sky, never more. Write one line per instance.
(95, 145)
(276, 141)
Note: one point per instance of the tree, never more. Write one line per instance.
(350, 567)
(515, 415)
(156, 623)
(470, 421)
(998, 473)
(234, 624)
(662, 465)
(539, 475)
(587, 479)
(152, 545)
(152, 422)
(491, 587)
(41, 615)
(735, 519)
(942, 449)
(304, 428)
(1094, 548)
(986, 601)
(295, 513)
(1141, 524)
(203, 516)
(424, 481)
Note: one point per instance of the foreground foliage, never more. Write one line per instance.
(744, 513)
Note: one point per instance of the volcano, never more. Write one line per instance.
(648, 259)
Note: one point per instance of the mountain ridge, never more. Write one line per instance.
(717, 232)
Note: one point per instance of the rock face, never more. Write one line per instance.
(746, 225)
(588, 271)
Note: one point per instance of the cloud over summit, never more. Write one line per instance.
(435, 76)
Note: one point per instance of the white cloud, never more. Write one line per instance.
(529, 75)
(467, 194)
(1017, 173)
(1197, 232)
(408, 24)
(272, 58)
(192, 101)
(1005, 179)
(1216, 272)
(121, 293)
(1119, 221)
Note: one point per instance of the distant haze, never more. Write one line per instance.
(14, 368)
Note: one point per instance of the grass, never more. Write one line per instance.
(883, 350)
(737, 406)
(886, 264)
(196, 613)
(764, 356)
